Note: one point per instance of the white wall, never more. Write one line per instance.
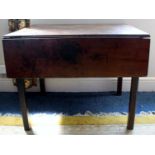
(3, 30)
(147, 84)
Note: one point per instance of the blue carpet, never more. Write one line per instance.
(73, 103)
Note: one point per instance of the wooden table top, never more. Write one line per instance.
(72, 30)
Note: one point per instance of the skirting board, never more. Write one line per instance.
(82, 84)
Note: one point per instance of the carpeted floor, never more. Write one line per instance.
(77, 108)
(77, 103)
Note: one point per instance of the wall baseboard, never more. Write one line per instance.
(82, 85)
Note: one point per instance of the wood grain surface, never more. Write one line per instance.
(76, 57)
(79, 30)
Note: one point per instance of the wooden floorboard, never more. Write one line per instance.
(147, 129)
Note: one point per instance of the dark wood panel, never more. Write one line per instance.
(76, 57)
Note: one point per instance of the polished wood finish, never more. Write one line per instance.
(76, 57)
(132, 102)
(23, 106)
(78, 30)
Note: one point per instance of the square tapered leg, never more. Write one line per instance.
(42, 85)
(132, 102)
(119, 85)
(23, 106)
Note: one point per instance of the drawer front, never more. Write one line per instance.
(76, 57)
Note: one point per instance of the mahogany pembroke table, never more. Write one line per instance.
(65, 51)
